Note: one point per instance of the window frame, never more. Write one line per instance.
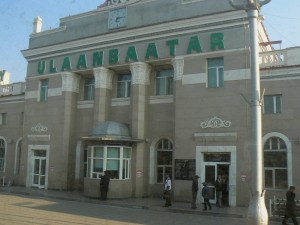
(2, 158)
(279, 147)
(164, 82)
(276, 99)
(3, 119)
(44, 90)
(215, 73)
(124, 92)
(124, 163)
(89, 89)
(18, 157)
(166, 147)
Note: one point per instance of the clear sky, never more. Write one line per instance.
(282, 22)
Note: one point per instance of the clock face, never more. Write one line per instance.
(117, 18)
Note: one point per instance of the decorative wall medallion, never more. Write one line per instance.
(39, 128)
(215, 122)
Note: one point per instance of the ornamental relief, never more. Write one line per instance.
(114, 3)
(39, 128)
(215, 122)
(178, 65)
(140, 73)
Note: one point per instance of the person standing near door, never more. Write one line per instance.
(290, 206)
(225, 193)
(104, 185)
(194, 191)
(167, 193)
(219, 185)
(205, 195)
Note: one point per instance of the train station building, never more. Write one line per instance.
(145, 88)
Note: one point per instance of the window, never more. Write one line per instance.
(85, 163)
(124, 86)
(22, 118)
(18, 157)
(89, 89)
(272, 104)
(275, 163)
(164, 82)
(3, 118)
(44, 85)
(115, 160)
(2, 155)
(164, 158)
(215, 72)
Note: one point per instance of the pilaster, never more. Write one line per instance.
(70, 82)
(103, 87)
(178, 65)
(139, 121)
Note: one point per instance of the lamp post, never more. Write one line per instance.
(257, 213)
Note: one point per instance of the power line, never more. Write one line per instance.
(294, 44)
(282, 17)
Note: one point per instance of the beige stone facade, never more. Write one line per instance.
(178, 81)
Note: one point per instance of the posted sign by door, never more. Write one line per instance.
(243, 177)
(139, 173)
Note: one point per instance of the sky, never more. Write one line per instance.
(281, 20)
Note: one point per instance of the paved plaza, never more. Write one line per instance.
(32, 207)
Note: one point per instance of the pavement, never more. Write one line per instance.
(155, 204)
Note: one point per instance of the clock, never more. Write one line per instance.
(117, 18)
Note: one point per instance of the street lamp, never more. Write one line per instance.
(257, 213)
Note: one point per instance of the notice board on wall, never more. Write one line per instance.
(185, 169)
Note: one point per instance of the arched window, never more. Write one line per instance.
(2, 155)
(275, 163)
(164, 159)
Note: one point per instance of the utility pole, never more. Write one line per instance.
(257, 213)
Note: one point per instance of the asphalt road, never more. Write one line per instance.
(23, 210)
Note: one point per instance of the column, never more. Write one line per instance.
(65, 169)
(139, 121)
(103, 87)
(178, 65)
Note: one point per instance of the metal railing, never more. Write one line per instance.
(277, 207)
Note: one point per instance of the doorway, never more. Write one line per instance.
(217, 164)
(211, 160)
(39, 169)
(212, 171)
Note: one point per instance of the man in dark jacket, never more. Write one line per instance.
(290, 206)
(205, 195)
(104, 184)
(219, 185)
(194, 191)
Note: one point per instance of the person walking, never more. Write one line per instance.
(205, 195)
(290, 206)
(219, 185)
(104, 185)
(167, 193)
(194, 191)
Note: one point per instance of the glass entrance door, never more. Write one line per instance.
(209, 178)
(217, 165)
(39, 169)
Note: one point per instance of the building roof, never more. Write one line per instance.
(111, 131)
